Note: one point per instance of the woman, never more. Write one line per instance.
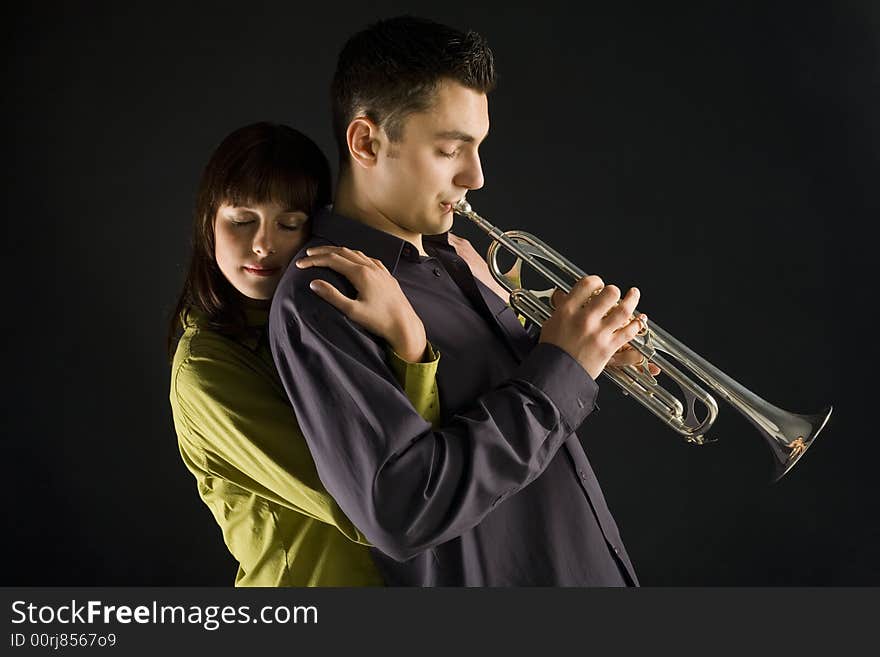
(237, 432)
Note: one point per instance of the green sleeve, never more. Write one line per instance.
(522, 320)
(419, 381)
(516, 281)
(234, 421)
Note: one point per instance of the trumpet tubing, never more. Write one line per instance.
(788, 435)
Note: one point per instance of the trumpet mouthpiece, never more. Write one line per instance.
(462, 206)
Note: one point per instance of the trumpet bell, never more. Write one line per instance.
(791, 437)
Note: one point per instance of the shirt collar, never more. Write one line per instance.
(342, 231)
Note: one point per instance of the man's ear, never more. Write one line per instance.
(364, 139)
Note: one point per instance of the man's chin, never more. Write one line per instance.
(442, 225)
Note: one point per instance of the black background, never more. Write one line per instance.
(721, 156)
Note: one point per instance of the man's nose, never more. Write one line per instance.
(471, 176)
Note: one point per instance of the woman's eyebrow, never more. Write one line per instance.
(244, 208)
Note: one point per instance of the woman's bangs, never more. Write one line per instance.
(260, 180)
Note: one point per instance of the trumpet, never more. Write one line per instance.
(787, 434)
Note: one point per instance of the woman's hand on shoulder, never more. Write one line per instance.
(380, 307)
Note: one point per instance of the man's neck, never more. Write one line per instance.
(349, 203)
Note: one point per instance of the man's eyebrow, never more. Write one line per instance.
(454, 134)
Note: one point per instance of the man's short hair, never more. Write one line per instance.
(393, 68)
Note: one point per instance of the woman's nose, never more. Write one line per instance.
(263, 243)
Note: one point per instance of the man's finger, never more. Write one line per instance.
(631, 299)
(584, 289)
(626, 333)
(626, 357)
(605, 301)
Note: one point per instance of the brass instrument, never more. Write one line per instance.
(788, 434)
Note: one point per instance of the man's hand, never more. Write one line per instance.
(592, 322)
(380, 307)
(478, 266)
(627, 355)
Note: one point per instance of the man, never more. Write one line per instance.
(500, 493)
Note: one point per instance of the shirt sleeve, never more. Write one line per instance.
(235, 424)
(407, 485)
(419, 381)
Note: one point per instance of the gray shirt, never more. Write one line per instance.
(500, 493)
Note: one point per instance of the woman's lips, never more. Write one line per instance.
(262, 271)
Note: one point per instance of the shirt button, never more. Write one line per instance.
(582, 474)
(616, 550)
(436, 272)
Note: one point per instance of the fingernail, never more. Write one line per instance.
(309, 251)
(313, 286)
(298, 263)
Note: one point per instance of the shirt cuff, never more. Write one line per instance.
(559, 376)
(415, 378)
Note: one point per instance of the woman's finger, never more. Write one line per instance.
(342, 251)
(358, 256)
(332, 260)
(333, 296)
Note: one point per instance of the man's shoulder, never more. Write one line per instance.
(294, 298)
(295, 281)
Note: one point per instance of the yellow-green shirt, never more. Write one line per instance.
(239, 436)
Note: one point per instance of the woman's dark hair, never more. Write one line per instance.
(259, 163)
(393, 68)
